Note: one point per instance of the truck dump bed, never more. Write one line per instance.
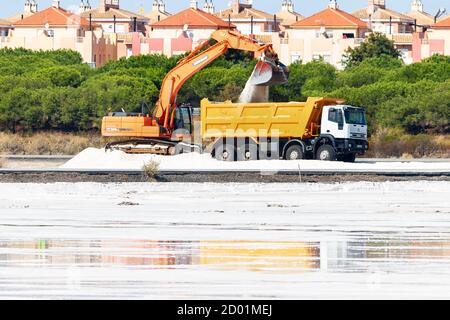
(262, 120)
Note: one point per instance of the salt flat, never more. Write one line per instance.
(243, 241)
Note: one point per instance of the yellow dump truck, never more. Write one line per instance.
(320, 128)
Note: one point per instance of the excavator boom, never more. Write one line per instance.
(197, 60)
(158, 129)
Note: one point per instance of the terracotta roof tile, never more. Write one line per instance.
(194, 18)
(54, 17)
(330, 18)
(444, 24)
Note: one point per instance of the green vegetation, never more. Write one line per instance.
(376, 45)
(414, 98)
(55, 91)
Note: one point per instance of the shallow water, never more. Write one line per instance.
(193, 241)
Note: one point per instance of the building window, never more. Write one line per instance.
(319, 56)
(50, 33)
(324, 34)
(296, 58)
(348, 35)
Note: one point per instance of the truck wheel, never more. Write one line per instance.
(225, 152)
(294, 152)
(326, 153)
(247, 152)
(349, 157)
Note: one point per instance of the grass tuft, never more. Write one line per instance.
(151, 169)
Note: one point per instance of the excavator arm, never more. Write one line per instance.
(198, 59)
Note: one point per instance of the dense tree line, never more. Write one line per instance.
(56, 91)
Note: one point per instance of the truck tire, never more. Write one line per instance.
(326, 153)
(294, 152)
(247, 152)
(225, 152)
(349, 157)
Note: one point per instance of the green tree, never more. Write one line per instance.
(376, 45)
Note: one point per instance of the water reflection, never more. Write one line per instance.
(356, 256)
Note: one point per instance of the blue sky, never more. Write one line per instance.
(305, 7)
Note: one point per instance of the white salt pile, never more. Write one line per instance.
(117, 160)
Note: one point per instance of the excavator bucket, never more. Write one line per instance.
(267, 73)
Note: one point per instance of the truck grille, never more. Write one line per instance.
(358, 136)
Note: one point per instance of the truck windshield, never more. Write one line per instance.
(355, 116)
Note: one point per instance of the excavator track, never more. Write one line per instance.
(153, 146)
(143, 146)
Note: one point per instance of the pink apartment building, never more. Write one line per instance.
(397, 26)
(55, 28)
(182, 32)
(249, 20)
(125, 27)
(326, 34)
(435, 40)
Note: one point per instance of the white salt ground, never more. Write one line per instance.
(117, 160)
(225, 241)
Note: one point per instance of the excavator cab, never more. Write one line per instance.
(183, 118)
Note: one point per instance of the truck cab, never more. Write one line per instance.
(345, 128)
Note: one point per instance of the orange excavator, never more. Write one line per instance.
(162, 131)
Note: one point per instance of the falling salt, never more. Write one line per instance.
(252, 93)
